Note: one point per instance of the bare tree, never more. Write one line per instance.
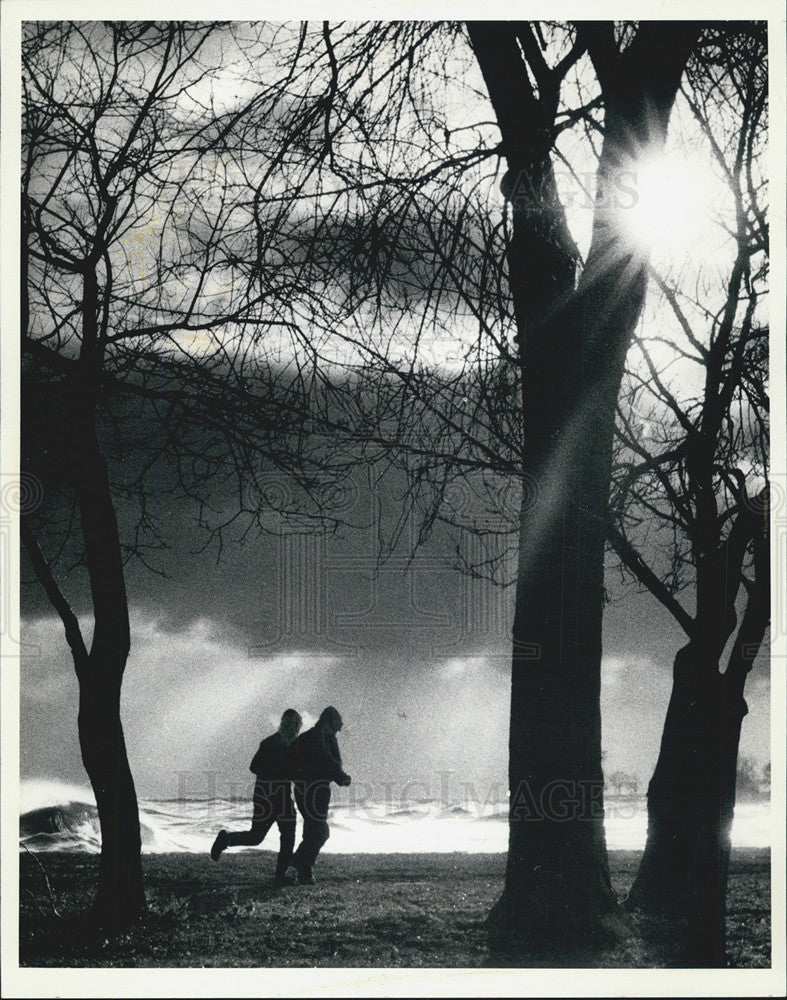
(353, 221)
(532, 393)
(574, 335)
(690, 481)
(150, 328)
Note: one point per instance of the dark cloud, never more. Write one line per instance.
(414, 652)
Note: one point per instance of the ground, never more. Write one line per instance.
(392, 910)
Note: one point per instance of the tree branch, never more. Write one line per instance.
(45, 577)
(629, 556)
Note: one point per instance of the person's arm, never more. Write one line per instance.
(257, 765)
(328, 769)
(264, 761)
(334, 759)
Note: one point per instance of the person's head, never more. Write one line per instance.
(330, 720)
(290, 725)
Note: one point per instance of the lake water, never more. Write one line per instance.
(56, 817)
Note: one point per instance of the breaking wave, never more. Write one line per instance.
(59, 817)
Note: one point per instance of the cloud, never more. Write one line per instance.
(48, 666)
(191, 699)
(451, 669)
(615, 670)
(197, 700)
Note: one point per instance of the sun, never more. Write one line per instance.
(671, 205)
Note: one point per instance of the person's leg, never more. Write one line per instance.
(315, 828)
(322, 801)
(262, 820)
(299, 789)
(250, 838)
(286, 824)
(219, 844)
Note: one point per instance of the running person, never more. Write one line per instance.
(319, 763)
(274, 765)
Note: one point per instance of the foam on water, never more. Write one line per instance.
(59, 817)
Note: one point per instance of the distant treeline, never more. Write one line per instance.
(753, 782)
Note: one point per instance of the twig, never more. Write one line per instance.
(35, 902)
(46, 880)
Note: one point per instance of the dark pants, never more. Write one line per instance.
(272, 804)
(313, 798)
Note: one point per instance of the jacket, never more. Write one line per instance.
(317, 756)
(273, 761)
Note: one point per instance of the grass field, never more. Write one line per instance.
(395, 910)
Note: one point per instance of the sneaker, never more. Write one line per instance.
(300, 876)
(219, 845)
(305, 876)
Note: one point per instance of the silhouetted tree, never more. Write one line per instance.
(146, 328)
(690, 481)
(354, 213)
(530, 389)
(574, 335)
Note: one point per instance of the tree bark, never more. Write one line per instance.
(691, 799)
(685, 840)
(557, 878)
(573, 343)
(691, 796)
(120, 895)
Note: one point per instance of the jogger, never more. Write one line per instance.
(319, 763)
(275, 766)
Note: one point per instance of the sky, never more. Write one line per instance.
(414, 654)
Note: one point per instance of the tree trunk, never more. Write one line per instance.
(120, 894)
(557, 880)
(691, 796)
(557, 877)
(573, 343)
(688, 830)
